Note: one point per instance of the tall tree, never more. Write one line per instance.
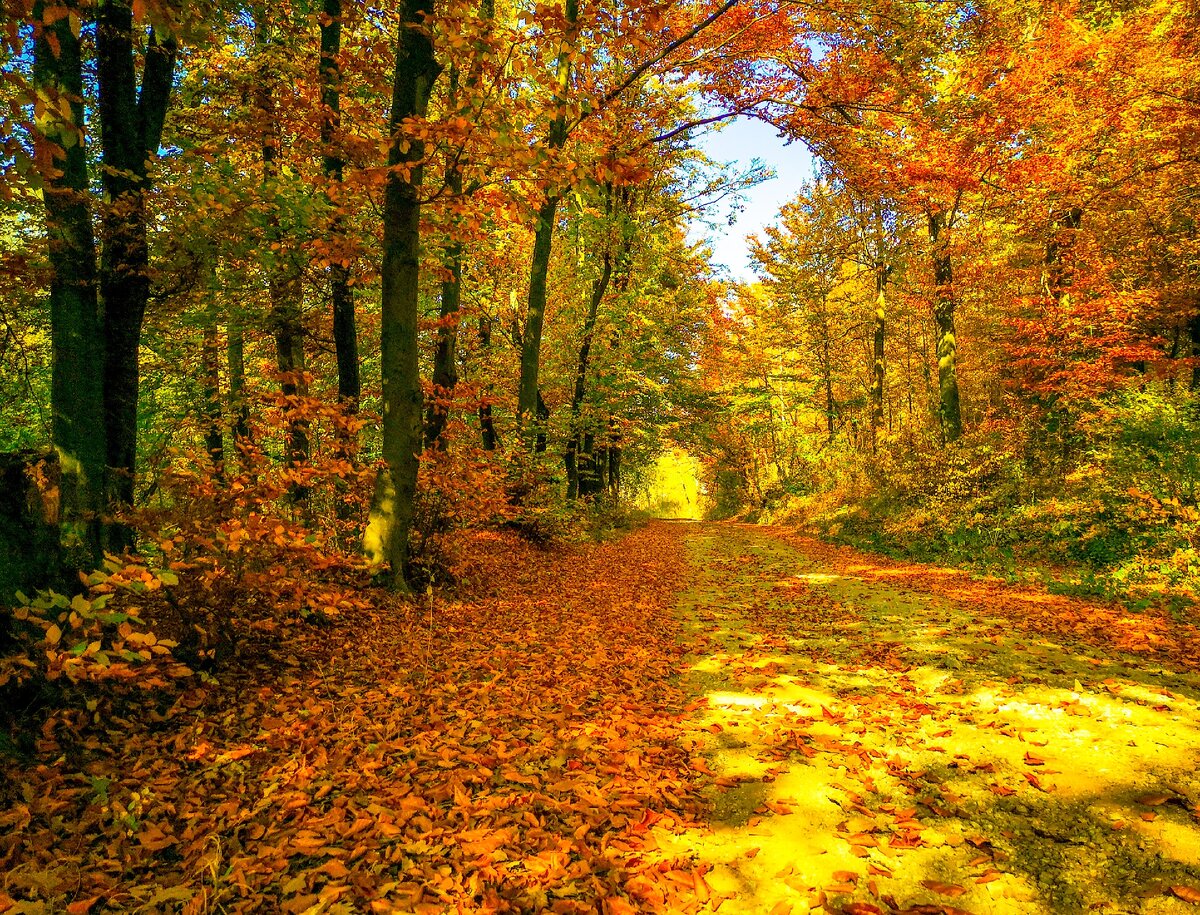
(131, 125)
(944, 301)
(530, 406)
(396, 485)
(345, 326)
(284, 287)
(77, 386)
(461, 101)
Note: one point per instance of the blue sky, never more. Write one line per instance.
(743, 141)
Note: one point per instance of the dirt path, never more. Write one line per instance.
(692, 718)
(877, 744)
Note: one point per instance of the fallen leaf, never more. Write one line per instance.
(1154, 800)
(943, 889)
(1187, 894)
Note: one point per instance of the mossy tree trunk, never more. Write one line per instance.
(445, 357)
(599, 287)
(879, 339)
(396, 486)
(944, 301)
(77, 352)
(214, 434)
(489, 438)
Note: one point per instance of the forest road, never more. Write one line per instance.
(889, 737)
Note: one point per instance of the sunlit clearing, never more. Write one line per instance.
(671, 488)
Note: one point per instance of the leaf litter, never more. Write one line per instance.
(692, 718)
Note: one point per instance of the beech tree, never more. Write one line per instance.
(395, 489)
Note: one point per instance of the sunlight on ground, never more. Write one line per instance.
(818, 578)
(988, 773)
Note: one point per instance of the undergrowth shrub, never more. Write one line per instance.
(256, 543)
(458, 489)
(82, 655)
(1118, 516)
(538, 510)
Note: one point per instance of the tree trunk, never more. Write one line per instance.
(445, 359)
(77, 355)
(943, 317)
(543, 424)
(130, 128)
(284, 292)
(599, 287)
(235, 349)
(283, 280)
(827, 373)
(1194, 337)
(345, 329)
(535, 313)
(614, 460)
(879, 330)
(395, 490)
(445, 365)
(487, 425)
(214, 436)
(1059, 271)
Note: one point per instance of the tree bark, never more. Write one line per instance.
(879, 329)
(214, 436)
(535, 315)
(1059, 271)
(345, 327)
(235, 360)
(283, 279)
(599, 287)
(827, 371)
(944, 302)
(535, 312)
(77, 354)
(445, 366)
(487, 425)
(445, 358)
(392, 507)
(131, 125)
(1194, 338)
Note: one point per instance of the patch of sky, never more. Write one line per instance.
(744, 142)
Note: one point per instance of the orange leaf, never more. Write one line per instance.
(82, 906)
(944, 889)
(1187, 894)
(615, 905)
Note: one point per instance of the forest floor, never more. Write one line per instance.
(694, 717)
